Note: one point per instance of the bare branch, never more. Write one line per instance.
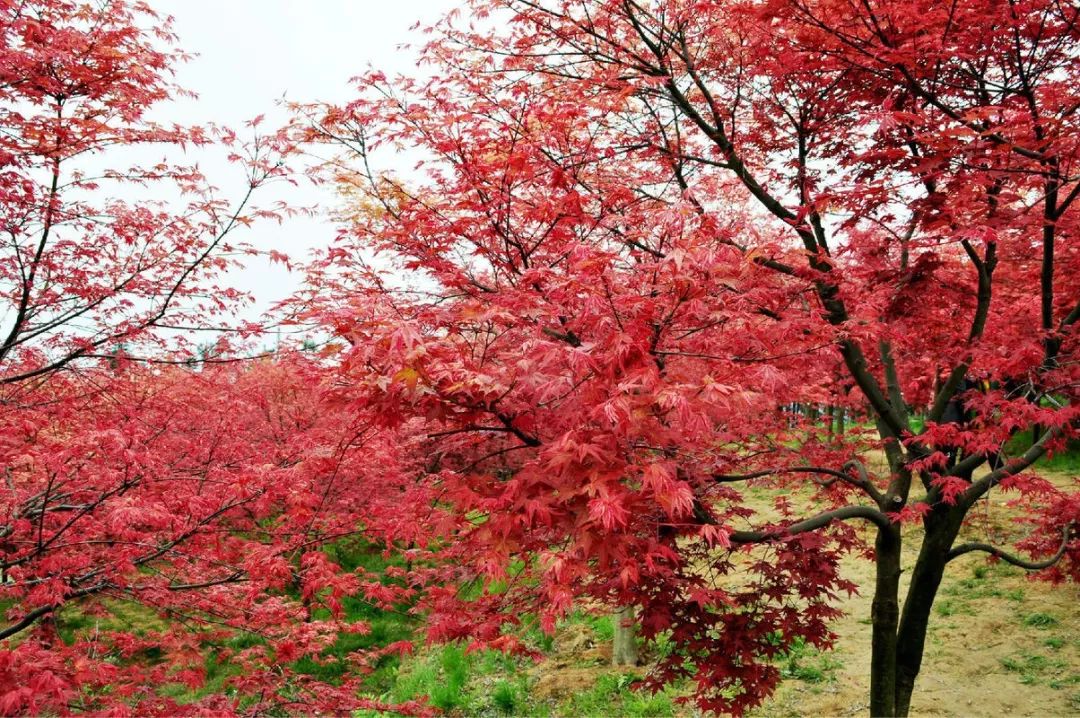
(1011, 468)
(962, 549)
(812, 524)
(862, 482)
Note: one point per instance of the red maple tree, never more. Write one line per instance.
(647, 230)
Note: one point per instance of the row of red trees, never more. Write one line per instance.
(557, 354)
(133, 476)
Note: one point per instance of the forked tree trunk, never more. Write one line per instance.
(624, 651)
(899, 639)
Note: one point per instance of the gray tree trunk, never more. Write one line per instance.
(624, 651)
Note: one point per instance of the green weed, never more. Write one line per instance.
(952, 608)
(1033, 668)
(613, 694)
(440, 676)
(1059, 683)
(453, 679)
(505, 697)
(805, 663)
(1040, 620)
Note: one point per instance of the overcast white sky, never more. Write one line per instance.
(251, 53)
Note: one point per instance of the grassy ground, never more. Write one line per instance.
(999, 644)
(573, 678)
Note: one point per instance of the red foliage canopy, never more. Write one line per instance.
(646, 236)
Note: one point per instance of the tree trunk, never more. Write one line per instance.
(942, 525)
(885, 617)
(899, 640)
(624, 651)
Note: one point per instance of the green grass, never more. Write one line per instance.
(1067, 460)
(75, 620)
(218, 671)
(1040, 620)
(450, 678)
(386, 626)
(1070, 680)
(603, 627)
(489, 683)
(614, 695)
(952, 608)
(441, 678)
(806, 663)
(980, 585)
(507, 697)
(1036, 669)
